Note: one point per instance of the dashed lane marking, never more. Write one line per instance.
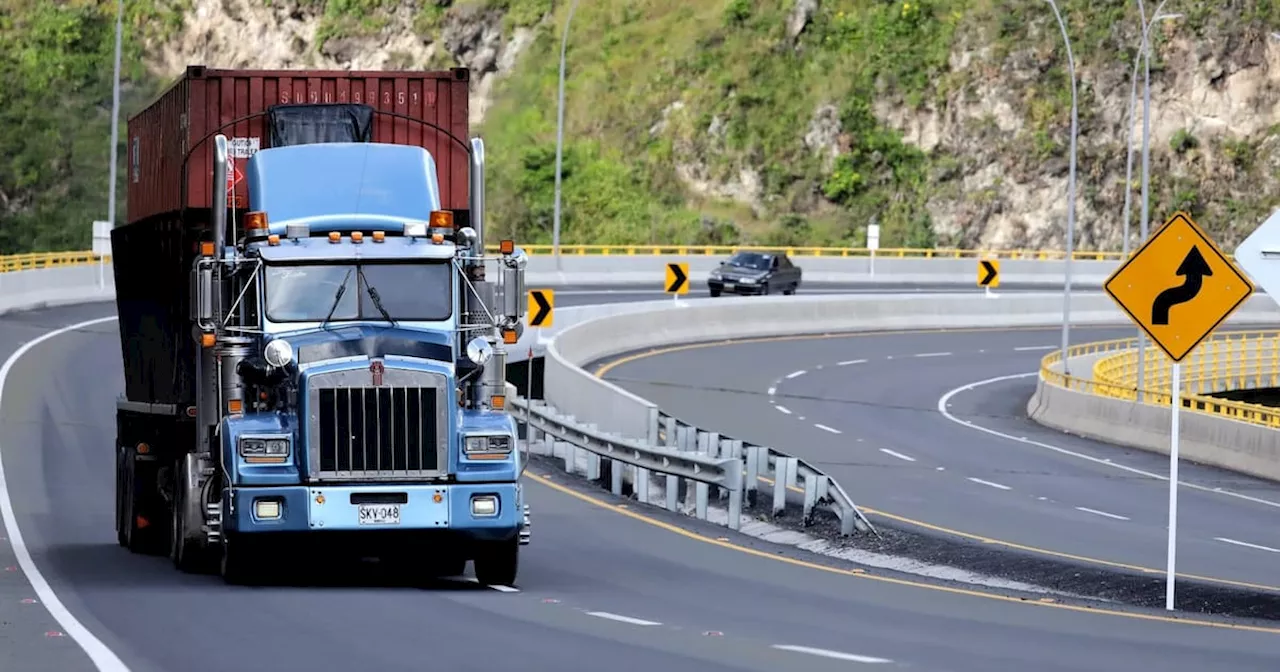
(621, 619)
(827, 429)
(932, 354)
(795, 374)
(784, 409)
(847, 362)
(1246, 544)
(990, 484)
(826, 653)
(900, 456)
(1101, 513)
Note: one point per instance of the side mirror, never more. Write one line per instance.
(204, 293)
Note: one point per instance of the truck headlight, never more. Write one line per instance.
(278, 353)
(264, 449)
(487, 446)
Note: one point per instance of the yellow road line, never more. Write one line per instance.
(866, 574)
(605, 368)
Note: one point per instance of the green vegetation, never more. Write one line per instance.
(707, 122)
(55, 110)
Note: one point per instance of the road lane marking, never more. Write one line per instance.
(864, 574)
(827, 653)
(772, 390)
(847, 362)
(934, 354)
(990, 484)
(102, 657)
(795, 374)
(826, 428)
(603, 369)
(898, 455)
(1100, 513)
(1030, 348)
(620, 618)
(784, 409)
(1247, 545)
(944, 402)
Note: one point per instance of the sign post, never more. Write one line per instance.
(102, 249)
(873, 244)
(989, 274)
(1178, 287)
(677, 281)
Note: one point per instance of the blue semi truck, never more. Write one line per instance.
(324, 363)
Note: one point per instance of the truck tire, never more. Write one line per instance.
(146, 539)
(498, 562)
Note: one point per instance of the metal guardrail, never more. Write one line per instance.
(802, 251)
(75, 258)
(765, 464)
(690, 459)
(1115, 376)
(37, 260)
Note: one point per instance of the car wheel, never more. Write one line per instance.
(715, 293)
(764, 291)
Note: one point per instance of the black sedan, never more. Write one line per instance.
(755, 273)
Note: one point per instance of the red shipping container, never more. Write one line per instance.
(170, 142)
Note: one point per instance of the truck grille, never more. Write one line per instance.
(376, 432)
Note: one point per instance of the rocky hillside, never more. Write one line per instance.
(720, 121)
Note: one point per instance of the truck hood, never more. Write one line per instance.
(371, 341)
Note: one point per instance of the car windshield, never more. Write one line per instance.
(752, 260)
(412, 292)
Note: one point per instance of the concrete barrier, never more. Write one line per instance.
(579, 392)
(28, 290)
(640, 269)
(1206, 439)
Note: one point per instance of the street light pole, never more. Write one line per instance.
(1146, 163)
(1071, 194)
(555, 230)
(115, 119)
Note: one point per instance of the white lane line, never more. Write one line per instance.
(1247, 545)
(826, 428)
(472, 579)
(1030, 348)
(795, 374)
(620, 618)
(772, 390)
(851, 361)
(898, 455)
(784, 409)
(103, 658)
(945, 400)
(933, 354)
(827, 653)
(1100, 513)
(990, 484)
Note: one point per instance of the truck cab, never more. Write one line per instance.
(350, 375)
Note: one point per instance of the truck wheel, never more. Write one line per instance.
(236, 566)
(497, 562)
(145, 539)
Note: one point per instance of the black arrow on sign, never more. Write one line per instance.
(680, 278)
(991, 273)
(1194, 268)
(544, 309)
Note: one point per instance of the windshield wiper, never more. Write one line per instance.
(336, 299)
(373, 294)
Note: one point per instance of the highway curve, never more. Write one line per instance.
(885, 415)
(601, 587)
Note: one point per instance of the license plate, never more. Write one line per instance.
(379, 514)
(729, 286)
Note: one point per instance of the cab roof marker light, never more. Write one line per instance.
(334, 236)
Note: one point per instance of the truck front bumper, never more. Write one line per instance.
(477, 510)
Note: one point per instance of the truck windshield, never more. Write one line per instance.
(410, 292)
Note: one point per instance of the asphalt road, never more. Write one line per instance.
(601, 586)
(866, 409)
(586, 295)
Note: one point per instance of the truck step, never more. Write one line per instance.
(213, 522)
(525, 532)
